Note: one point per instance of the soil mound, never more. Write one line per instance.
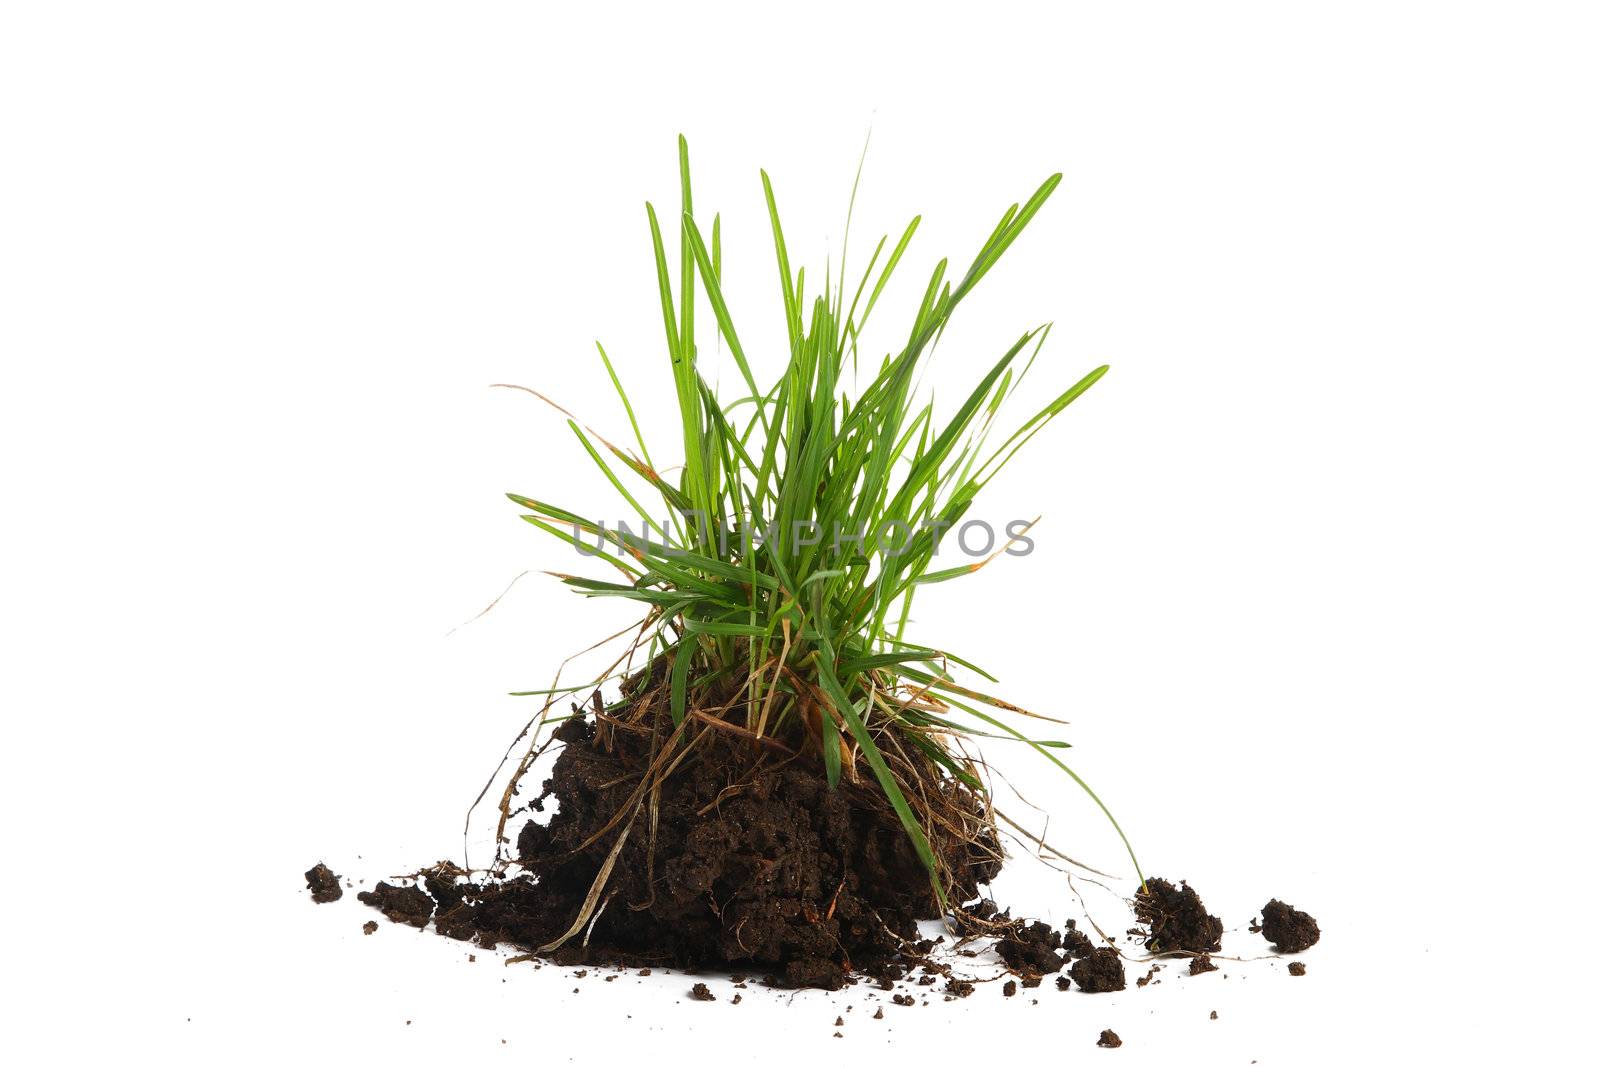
(736, 858)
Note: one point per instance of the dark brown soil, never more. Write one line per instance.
(1031, 950)
(1177, 918)
(1100, 972)
(369, 927)
(1201, 964)
(400, 904)
(1109, 1039)
(1288, 930)
(700, 991)
(1297, 969)
(324, 884)
(752, 861)
(1009, 989)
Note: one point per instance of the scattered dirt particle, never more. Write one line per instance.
(958, 988)
(838, 1021)
(1063, 983)
(1201, 964)
(324, 884)
(1009, 989)
(879, 1013)
(1297, 969)
(1177, 918)
(701, 991)
(644, 972)
(737, 998)
(1100, 972)
(369, 927)
(1213, 1015)
(1031, 981)
(1288, 930)
(904, 1000)
(1109, 1039)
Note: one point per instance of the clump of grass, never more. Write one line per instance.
(757, 620)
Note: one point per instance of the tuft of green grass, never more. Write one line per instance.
(734, 559)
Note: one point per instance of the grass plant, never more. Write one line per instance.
(761, 622)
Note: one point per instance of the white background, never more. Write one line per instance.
(1316, 581)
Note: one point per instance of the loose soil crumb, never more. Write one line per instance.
(1297, 969)
(700, 991)
(1109, 1039)
(879, 1013)
(959, 988)
(1201, 964)
(406, 904)
(369, 927)
(1009, 989)
(324, 884)
(1063, 982)
(1213, 1015)
(1100, 972)
(1177, 918)
(1288, 930)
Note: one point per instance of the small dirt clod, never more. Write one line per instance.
(1288, 930)
(1031, 949)
(1297, 969)
(324, 884)
(1177, 918)
(1100, 972)
(1109, 1039)
(701, 991)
